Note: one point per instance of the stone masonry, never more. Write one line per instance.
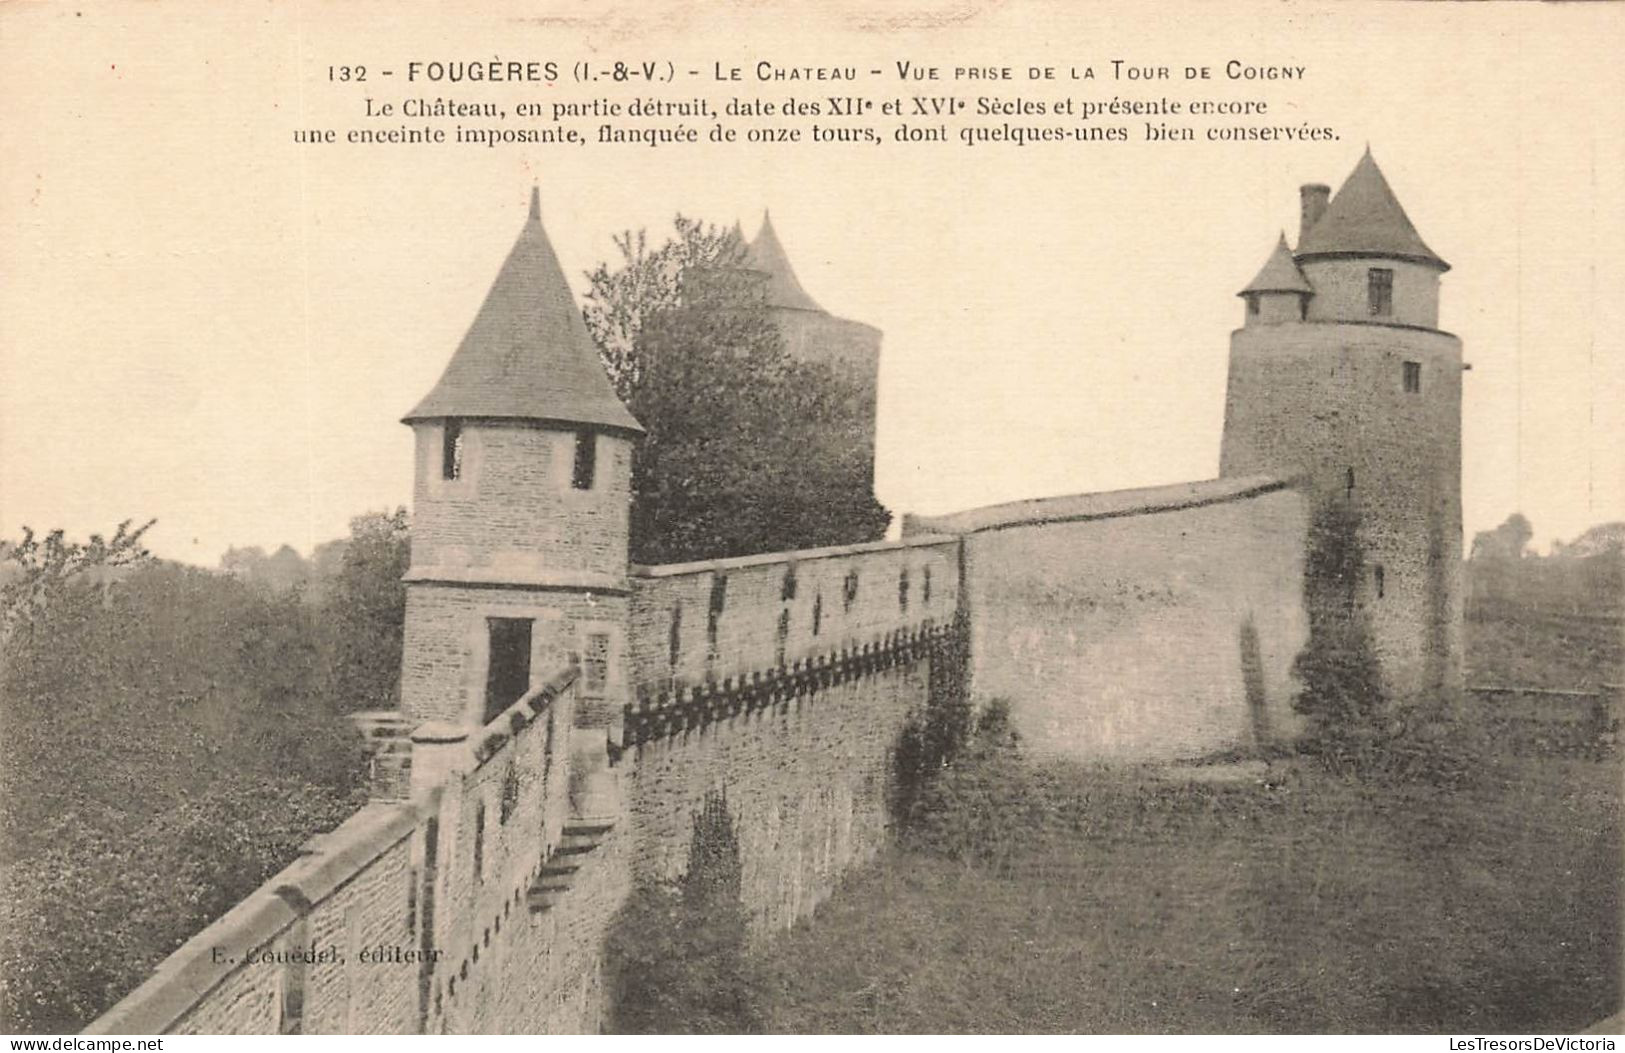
(564, 716)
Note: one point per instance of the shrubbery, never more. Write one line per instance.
(935, 735)
(984, 804)
(1340, 684)
(1352, 726)
(364, 612)
(171, 737)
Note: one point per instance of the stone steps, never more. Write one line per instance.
(558, 874)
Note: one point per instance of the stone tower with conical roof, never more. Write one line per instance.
(521, 507)
(812, 334)
(1341, 376)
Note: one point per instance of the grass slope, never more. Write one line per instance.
(1145, 905)
(1065, 898)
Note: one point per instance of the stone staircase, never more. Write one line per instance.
(581, 838)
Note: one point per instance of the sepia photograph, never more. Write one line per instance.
(963, 518)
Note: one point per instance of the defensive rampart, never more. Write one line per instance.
(784, 682)
(1133, 625)
(426, 914)
(1139, 624)
(475, 897)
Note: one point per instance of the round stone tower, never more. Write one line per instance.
(1340, 376)
(521, 509)
(811, 334)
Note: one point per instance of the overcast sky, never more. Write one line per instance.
(204, 322)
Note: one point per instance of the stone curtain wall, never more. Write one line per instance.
(806, 782)
(789, 697)
(1135, 625)
(1138, 625)
(499, 820)
(714, 621)
(359, 875)
(784, 681)
(451, 870)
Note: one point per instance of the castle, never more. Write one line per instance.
(564, 715)
(1150, 623)
(1342, 377)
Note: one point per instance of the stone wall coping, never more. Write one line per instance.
(806, 555)
(335, 857)
(514, 578)
(329, 861)
(381, 716)
(439, 732)
(1109, 504)
(186, 977)
(506, 725)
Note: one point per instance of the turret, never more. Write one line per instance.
(1341, 378)
(1280, 292)
(521, 507)
(1366, 261)
(812, 334)
(766, 254)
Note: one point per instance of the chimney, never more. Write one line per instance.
(1313, 197)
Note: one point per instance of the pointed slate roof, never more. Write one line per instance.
(767, 255)
(1364, 218)
(1279, 274)
(527, 356)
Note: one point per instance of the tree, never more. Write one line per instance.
(745, 448)
(1507, 541)
(1496, 570)
(284, 569)
(364, 611)
(168, 746)
(1340, 683)
(33, 572)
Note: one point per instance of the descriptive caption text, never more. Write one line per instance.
(655, 103)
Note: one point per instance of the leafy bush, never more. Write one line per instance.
(364, 612)
(933, 737)
(35, 572)
(1437, 748)
(988, 804)
(1340, 682)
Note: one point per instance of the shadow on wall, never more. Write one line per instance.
(675, 953)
